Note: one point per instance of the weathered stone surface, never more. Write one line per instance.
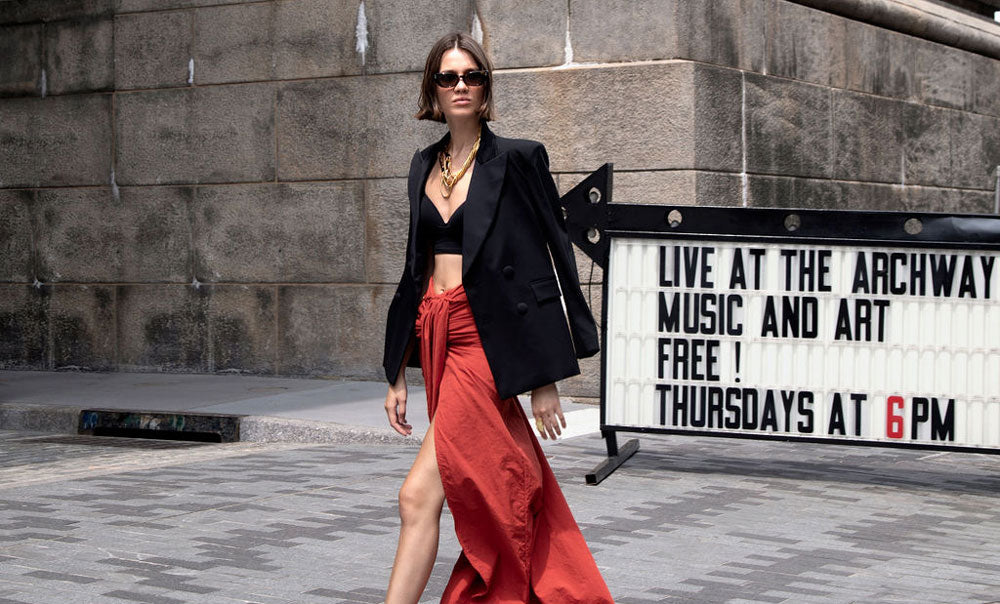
(53, 10)
(132, 6)
(163, 327)
(942, 75)
(879, 61)
(717, 119)
(195, 135)
(155, 230)
(234, 43)
(927, 144)
(79, 235)
(524, 33)
(785, 192)
(80, 55)
(242, 329)
(152, 49)
(16, 253)
(959, 201)
(985, 86)
(867, 137)
(975, 149)
(583, 127)
(622, 30)
(24, 326)
(351, 127)
(315, 38)
(285, 233)
(669, 187)
(788, 127)
(721, 32)
(805, 44)
(387, 213)
(401, 32)
(21, 72)
(55, 141)
(83, 327)
(332, 331)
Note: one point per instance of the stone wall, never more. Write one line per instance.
(212, 186)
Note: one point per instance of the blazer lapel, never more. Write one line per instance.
(480, 203)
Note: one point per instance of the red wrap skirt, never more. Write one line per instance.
(520, 542)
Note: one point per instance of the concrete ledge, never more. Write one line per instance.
(39, 418)
(261, 428)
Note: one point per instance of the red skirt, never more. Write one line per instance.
(520, 542)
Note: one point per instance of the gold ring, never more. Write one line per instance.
(539, 424)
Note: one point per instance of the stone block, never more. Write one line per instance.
(83, 327)
(156, 234)
(80, 56)
(942, 75)
(721, 32)
(926, 144)
(285, 233)
(622, 30)
(234, 43)
(87, 235)
(959, 201)
(16, 241)
(134, 6)
(387, 213)
(54, 10)
(152, 50)
(351, 127)
(975, 150)
(332, 331)
(21, 73)
(785, 192)
(788, 127)
(867, 137)
(985, 77)
(316, 38)
(401, 32)
(583, 127)
(880, 61)
(242, 329)
(55, 141)
(78, 235)
(806, 44)
(717, 119)
(195, 135)
(24, 326)
(163, 327)
(524, 33)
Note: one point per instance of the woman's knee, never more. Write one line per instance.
(419, 502)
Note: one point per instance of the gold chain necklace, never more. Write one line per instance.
(448, 179)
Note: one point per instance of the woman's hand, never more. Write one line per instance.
(546, 407)
(395, 405)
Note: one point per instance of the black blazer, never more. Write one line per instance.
(512, 222)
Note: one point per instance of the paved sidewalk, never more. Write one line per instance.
(95, 520)
(273, 408)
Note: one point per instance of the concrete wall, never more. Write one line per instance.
(211, 186)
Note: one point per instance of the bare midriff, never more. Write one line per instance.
(446, 269)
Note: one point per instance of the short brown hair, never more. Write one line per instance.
(429, 109)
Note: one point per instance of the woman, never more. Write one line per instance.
(478, 309)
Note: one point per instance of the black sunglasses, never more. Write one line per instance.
(448, 79)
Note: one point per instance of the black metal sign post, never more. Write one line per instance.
(848, 327)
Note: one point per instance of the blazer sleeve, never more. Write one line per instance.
(581, 321)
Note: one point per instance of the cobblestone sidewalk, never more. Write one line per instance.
(85, 519)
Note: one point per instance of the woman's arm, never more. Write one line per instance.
(395, 398)
(545, 406)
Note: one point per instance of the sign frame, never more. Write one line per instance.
(593, 222)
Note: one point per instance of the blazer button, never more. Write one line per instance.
(508, 271)
(522, 308)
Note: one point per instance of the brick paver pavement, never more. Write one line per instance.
(85, 519)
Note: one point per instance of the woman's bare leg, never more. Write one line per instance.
(420, 501)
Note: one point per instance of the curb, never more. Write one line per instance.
(171, 425)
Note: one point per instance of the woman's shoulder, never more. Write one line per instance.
(526, 150)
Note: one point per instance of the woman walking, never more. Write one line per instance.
(478, 308)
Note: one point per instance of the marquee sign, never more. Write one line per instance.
(874, 328)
